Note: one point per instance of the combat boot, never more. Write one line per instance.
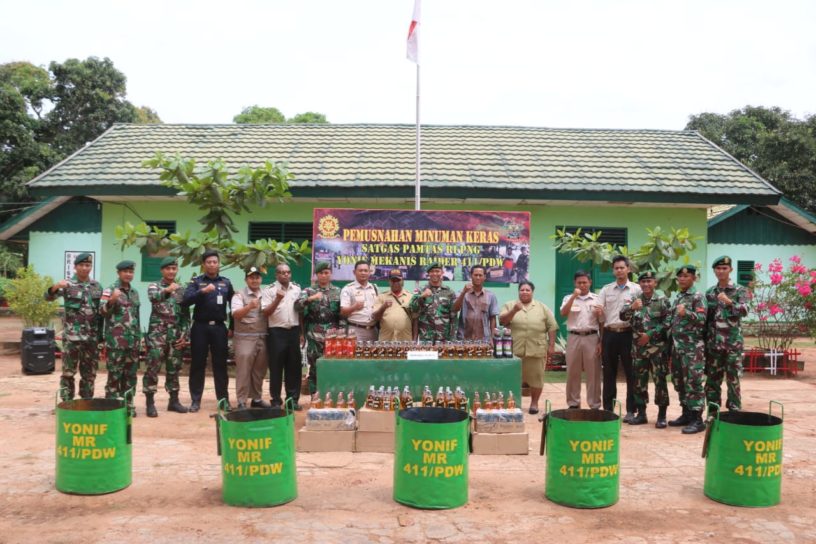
(683, 420)
(639, 418)
(150, 405)
(696, 425)
(661, 417)
(174, 405)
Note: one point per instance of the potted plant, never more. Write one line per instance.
(25, 295)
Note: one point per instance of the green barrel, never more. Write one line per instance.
(257, 449)
(582, 457)
(743, 452)
(431, 457)
(94, 453)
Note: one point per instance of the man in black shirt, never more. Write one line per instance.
(209, 293)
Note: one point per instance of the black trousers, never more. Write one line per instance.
(285, 366)
(617, 346)
(206, 339)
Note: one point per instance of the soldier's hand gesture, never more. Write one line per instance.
(576, 292)
(209, 288)
(427, 293)
(637, 304)
(62, 284)
(681, 310)
(722, 297)
(316, 296)
(115, 295)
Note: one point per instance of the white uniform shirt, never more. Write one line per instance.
(613, 298)
(284, 315)
(581, 318)
(353, 293)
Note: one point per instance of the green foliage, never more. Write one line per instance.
(9, 261)
(309, 117)
(770, 141)
(661, 253)
(147, 116)
(4, 285)
(219, 195)
(256, 115)
(25, 298)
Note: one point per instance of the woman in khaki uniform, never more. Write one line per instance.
(533, 327)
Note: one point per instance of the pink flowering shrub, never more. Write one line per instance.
(783, 301)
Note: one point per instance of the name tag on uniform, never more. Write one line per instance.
(219, 299)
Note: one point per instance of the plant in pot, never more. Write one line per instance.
(25, 296)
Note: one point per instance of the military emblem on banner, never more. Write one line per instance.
(513, 229)
(328, 226)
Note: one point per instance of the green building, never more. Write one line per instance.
(618, 181)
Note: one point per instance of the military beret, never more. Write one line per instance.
(82, 258)
(321, 266)
(168, 261)
(689, 268)
(648, 275)
(126, 264)
(432, 266)
(209, 253)
(252, 270)
(724, 260)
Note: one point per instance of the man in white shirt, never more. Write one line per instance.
(583, 311)
(357, 304)
(617, 336)
(284, 336)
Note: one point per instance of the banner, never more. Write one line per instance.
(411, 240)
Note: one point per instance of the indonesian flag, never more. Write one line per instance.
(413, 35)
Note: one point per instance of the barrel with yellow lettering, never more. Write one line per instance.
(94, 453)
(582, 457)
(431, 457)
(257, 449)
(743, 452)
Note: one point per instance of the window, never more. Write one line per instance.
(151, 271)
(285, 232)
(745, 272)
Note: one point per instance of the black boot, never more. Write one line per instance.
(661, 417)
(195, 406)
(640, 418)
(683, 420)
(150, 405)
(696, 425)
(174, 405)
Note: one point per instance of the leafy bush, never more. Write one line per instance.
(25, 298)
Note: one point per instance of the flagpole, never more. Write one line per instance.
(417, 205)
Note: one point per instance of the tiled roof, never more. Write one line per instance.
(459, 158)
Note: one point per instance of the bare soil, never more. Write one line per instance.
(347, 497)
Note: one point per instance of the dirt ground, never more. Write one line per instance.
(347, 497)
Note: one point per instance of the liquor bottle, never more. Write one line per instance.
(341, 400)
(380, 398)
(450, 402)
(407, 398)
(477, 403)
(350, 403)
(339, 342)
(440, 398)
(351, 343)
(318, 402)
(328, 402)
(427, 397)
(498, 345)
(396, 403)
(358, 350)
(500, 401)
(369, 403)
(507, 343)
(386, 405)
(458, 398)
(487, 403)
(511, 401)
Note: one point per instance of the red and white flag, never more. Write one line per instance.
(413, 35)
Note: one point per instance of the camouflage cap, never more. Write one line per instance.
(321, 266)
(432, 266)
(168, 261)
(252, 270)
(648, 275)
(125, 265)
(723, 260)
(82, 258)
(687, 269)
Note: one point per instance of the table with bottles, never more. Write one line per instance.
(351, 366)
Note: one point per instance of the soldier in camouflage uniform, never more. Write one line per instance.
(120, 308)
(647, 314)
(686, 324)
(82, 327)
(167, 333)
(727, 305)
(320, 307)
(434, 308)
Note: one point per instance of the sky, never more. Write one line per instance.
(644, 64)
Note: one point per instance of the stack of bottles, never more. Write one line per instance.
(468, 349)
(391, 399)
(502, 343)
(495, 415)
(327, 415)
(343, 402)
(496, 401)
(340, 344)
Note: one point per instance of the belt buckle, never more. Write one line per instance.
(210, 322)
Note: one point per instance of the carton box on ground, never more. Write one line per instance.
(377, 421)
(309, 440)
(374, 441)
(496, 427)
(501, 444)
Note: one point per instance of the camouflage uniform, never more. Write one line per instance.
(688, 348)
(122, 339)
(169, 322)
(435, 314)
(724, 343)
(82, 330)
(649, 319)
(318, 316)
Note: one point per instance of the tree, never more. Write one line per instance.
(660, 253)
(220, 194)
(309, 117)
(256, 115)
(147, 116)
(770, 141)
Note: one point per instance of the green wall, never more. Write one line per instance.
(543, 219)
(46, 250)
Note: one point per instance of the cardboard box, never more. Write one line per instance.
(376, 421)
(330, 419)
(309, 440)
(499, 427)
(501, 444)
(374, 441)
